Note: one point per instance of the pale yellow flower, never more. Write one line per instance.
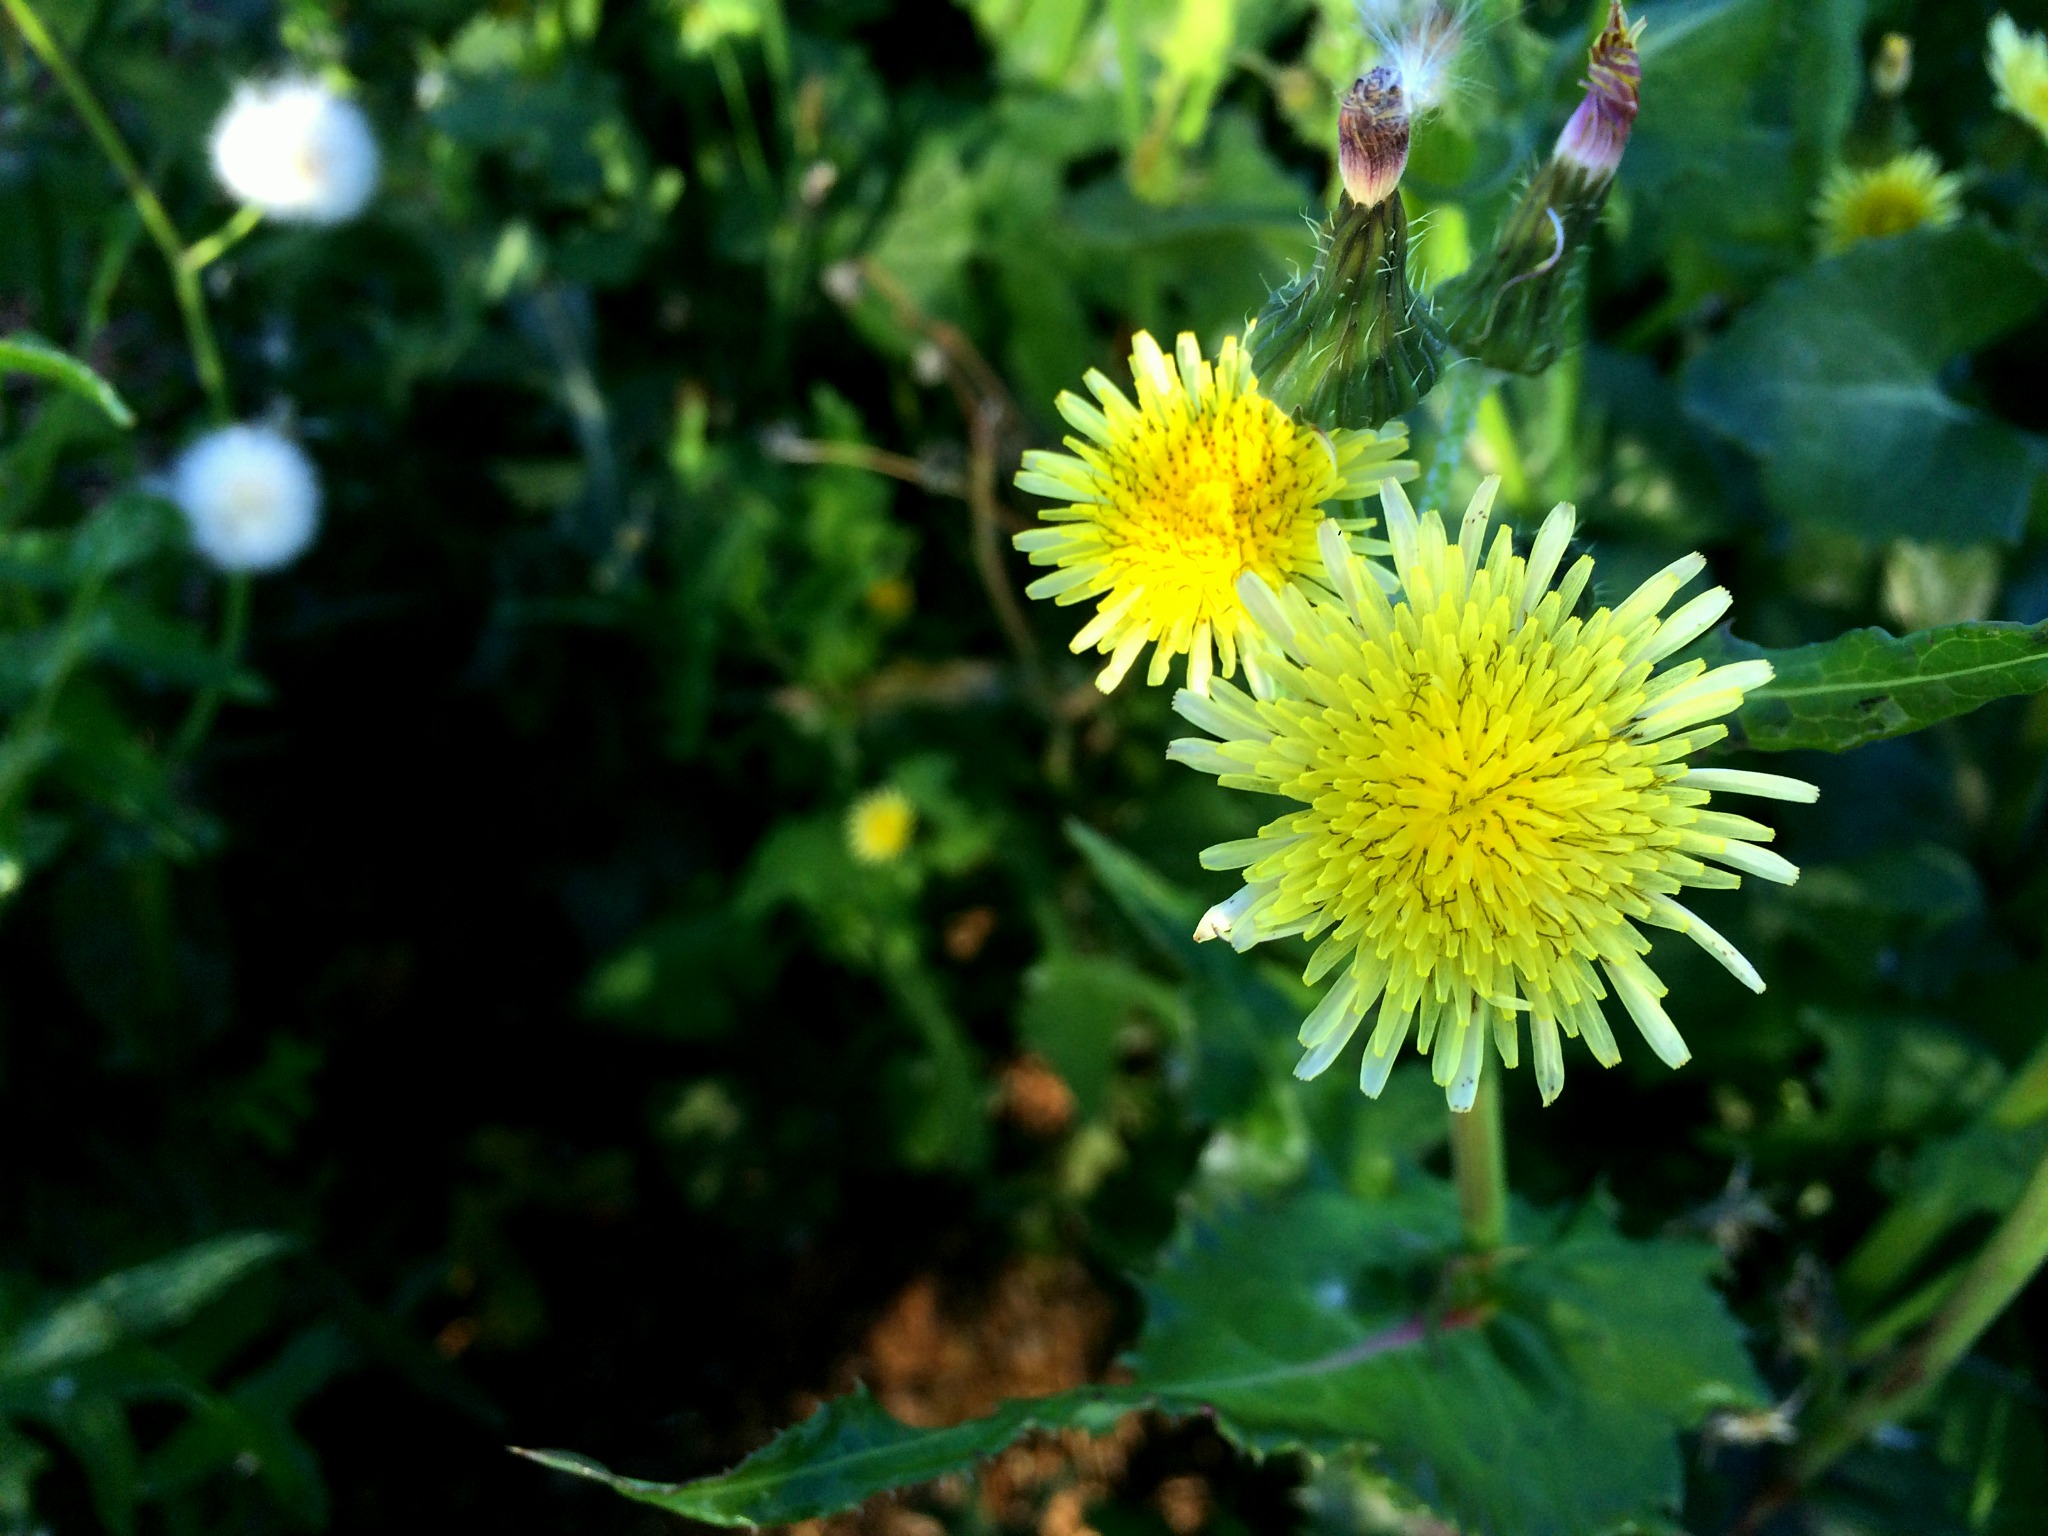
(1492, 794)
(2019, 68)
(1171, 500)
(1909, 191)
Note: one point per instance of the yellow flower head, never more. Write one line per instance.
(2019, 68)
(1906, 192)
(1493, 792)
(1171, 500)
(880, 826)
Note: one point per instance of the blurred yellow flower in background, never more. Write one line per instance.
(1909, 191)
(2019, 68)
(880, 826)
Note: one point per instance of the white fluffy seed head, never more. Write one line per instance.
(1419, 40)
(295, 150)
(250, 497)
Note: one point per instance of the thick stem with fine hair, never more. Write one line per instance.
(1480, 1168)
(1349, 343)
(184, 275)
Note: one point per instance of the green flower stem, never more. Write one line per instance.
(1497, 433)
(2016, 1252)
(202, 254)
(1466, 385)
(746, 128)
(234, 629)
(1907, 1233)
(1130, 58)
(1480, 1168)
(184, 279)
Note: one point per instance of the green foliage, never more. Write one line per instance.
(1833, 380)
(1542, 1398)
(475, 899)
(1867, 685)
(78, 1365)
(21, 353)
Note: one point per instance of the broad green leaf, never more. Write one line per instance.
(137, 1302)
(1544, 1404)
(124, 530)
(1831, 379)
(21, 352)
(1887, 1078)
(928, 238)
(1249, 1012)
(1866, 685)
(1035, 40)
(1828, 82)
(1548, 1406)
(1908, 911)
(1702, 163)
(1076, 1007)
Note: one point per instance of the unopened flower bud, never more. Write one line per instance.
(1513, 309)
(1598, 131)
(1372, 137)
(1892, 70)
(1348, 344)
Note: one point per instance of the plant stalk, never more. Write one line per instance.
(202, 254)
(1466, 386)
(2011, 1259)
(234, 628)
(184, 278)
(1479, 1166)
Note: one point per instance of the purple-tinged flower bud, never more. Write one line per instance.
(1514, 309)
(1372, 137)
(1598, 131)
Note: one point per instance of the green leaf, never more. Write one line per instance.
(22, 1461)
(1828, 82)
(1547, 1407)
(849, 1450)
(21, 352)
(250, 1425)
(1868, 685)
(1831, 379)
(1034, 40)
(1887, 1078)
(1249, 1011)
(136, 1302)
(1545, 1404)
(1076, 1007)
(95, 1428)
